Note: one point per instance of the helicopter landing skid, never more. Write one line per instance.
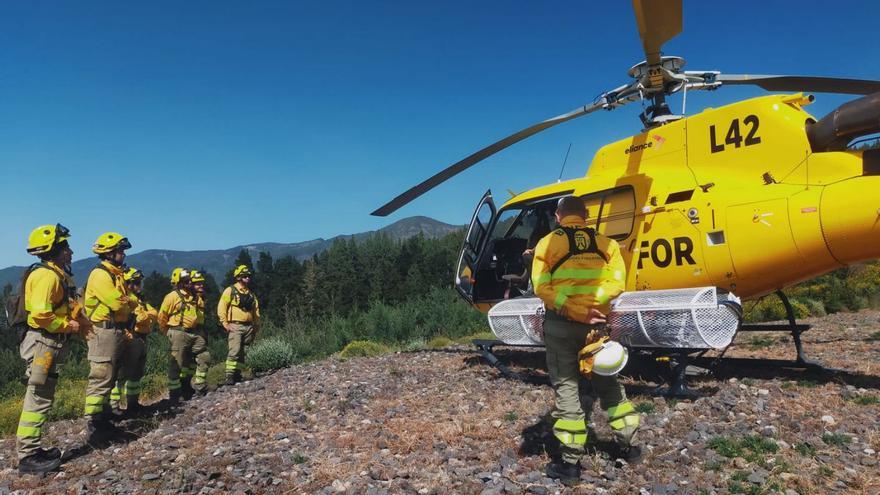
(485, 347)
(678, 385)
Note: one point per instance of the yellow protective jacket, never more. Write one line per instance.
(229, 308)
(45, 301)
(145, 315)
(590, 277)
(178, 309)
(106, 297)
(200, 310)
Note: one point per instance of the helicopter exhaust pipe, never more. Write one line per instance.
(848, 121)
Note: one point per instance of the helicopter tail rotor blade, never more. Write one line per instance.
(484, 153)
(803, 83)
(658, 21)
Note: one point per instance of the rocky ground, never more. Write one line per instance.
(444, 422)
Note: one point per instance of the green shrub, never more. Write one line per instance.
(270, 354)
(11, 366)
(805, 449)
(867, 400)
(645, 407)
(816, 308)
(770, 308)
(69, 400)
(837, 439)
(363, 348)
(439, 342)
(10, 410)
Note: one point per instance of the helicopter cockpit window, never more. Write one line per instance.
(612, 212)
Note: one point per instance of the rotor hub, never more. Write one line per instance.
(642, 69)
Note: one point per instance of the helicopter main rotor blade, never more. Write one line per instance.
(658, 21)
(484, 153)
(803, 83)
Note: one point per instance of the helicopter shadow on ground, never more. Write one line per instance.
(530, 366)
(124, 431)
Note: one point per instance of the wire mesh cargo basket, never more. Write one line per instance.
(693, 318)
(518, 321)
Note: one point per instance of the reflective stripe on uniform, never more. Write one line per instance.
(565, 291)
(56, 324)
(32, 417)
(42, 306)
(94, 404)
(132, 387)
(173, 384)
(622, 415)
(200, 377)
(116, 393)
(570, 431)
(28, 431)
(231, 365)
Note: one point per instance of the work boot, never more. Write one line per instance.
(237, 376)
(133, 408)
(40, 462)
(116, 413)
(629, 453)
(100, 431)
(230, 379)
(51, 453)
(566, 472)
(186, 390)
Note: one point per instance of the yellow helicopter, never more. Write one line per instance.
(750, 197)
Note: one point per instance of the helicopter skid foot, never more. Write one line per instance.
(678, 388)
(485, 348)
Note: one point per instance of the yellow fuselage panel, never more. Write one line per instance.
(734, 197)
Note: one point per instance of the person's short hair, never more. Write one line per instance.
(570, 205)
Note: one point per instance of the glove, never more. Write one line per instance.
(587, 354)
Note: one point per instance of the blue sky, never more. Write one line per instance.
(204, 125)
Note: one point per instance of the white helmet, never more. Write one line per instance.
(611, 359)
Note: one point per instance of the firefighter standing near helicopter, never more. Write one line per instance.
(577, 272)
(108, 307)
(239, 313)
(47, 298)
(134, 360)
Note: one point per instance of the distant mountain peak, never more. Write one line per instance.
(218, 262)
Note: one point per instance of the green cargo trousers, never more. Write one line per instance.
(42, 351)
(189, 358)
(105, 357)
(564, 339)
(134, 362)
(240, 337)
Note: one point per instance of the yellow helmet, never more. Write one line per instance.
(179, 275)
(241, 271)
(133, 275)
(45, 237)
(109, 242)
(196, 276)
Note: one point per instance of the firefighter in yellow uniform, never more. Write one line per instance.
(239, 313)
(134, 358)
(577, 272)
(200, 345)
(178, 319)
(50, 322)
(108, 307)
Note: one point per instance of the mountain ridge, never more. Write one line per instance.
(218, 261)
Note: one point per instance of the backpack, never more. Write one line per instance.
(244, 301)
(16, 314)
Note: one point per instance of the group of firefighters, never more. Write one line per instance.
(111, 315)
(576, 272)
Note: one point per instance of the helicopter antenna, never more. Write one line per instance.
(564, 162)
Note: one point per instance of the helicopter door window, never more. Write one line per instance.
(612, 212)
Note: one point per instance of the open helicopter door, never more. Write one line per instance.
(474, 241)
